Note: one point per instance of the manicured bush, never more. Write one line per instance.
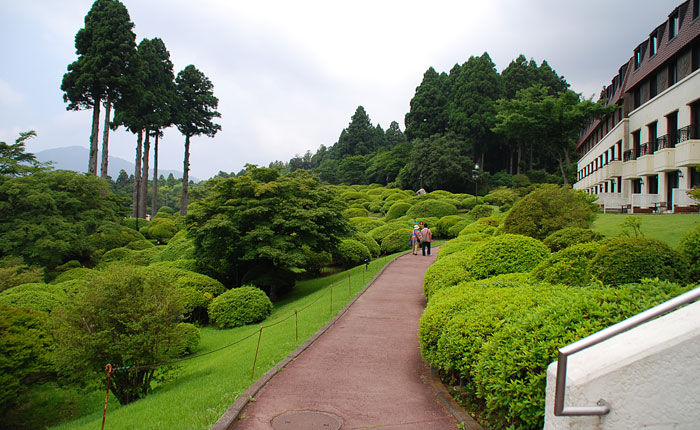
(570, 266)
(487, 225)
(203, 283)
(396, 241)
(140, 245)
(509, 253)
(510, 370)
(81, 273)
(397, 210)
(365, 224)
(13, 272)
(569, 236)
(351, 252)
(111, 235)
(352, 196)
(189, 265)
(179, 247)
(240, 306)
(689, 247)
(129, 256)
(165, 210)
(501, 197)
(133, 223)
(431, 208)
(371, 244)
(36, 299)
(161, 229)
(548, 209)
(355, 212)
(469, 202)
(459, 226)
(383, 231)
(441, 228)
(455, 245)
(629, 259)
(447, 272)
(188, 338)
(375, 206)
(481, 211)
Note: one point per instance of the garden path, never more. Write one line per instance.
(365, 369)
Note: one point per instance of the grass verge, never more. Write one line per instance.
(668, 228)
(206, 386)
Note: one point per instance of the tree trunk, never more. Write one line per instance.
(143, 204)
(105, 141)
(92, 162)
(531, 152)
(520, 152)
(137, 175)
(185, 177)
(154, 201)
(563, 171)
(510, 167)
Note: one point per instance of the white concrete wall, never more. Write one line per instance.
(649, 376)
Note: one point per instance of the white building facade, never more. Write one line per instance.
(643, 158)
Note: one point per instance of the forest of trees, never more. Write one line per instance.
(470, 116)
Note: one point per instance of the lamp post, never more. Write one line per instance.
(475, 176)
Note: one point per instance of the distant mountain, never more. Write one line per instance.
(75, 158)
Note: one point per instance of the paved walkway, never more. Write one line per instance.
(366, 369)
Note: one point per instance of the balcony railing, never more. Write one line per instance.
(629, 155)
(645, 149)
(687, 133)
(664, 142)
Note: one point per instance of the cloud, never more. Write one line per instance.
(10, 96)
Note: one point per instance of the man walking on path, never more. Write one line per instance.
(426, 237)
(366, 369)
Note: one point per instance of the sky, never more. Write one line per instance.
(289, 75)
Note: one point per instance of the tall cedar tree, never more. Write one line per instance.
(196, 110)
(428, 114)
(360, 138)
(106, 47)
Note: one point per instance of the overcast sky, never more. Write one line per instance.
(290, 74)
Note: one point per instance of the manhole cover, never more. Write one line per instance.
(307, 420)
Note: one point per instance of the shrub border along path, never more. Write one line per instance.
(395, 292)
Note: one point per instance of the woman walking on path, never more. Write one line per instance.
(415, 239)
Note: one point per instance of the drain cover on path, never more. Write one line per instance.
(307, 420)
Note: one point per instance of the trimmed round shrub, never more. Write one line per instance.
(689, 247)
(355, 212)
(569, 236)
(509, 253)
(351, 252)
(396, 241)
(375, 206)
(195, 304)
(162, 229)
(397, 210)
(351, 196)
(189, 265)
(80, 273)
(139, 245)
(132, 223)
(442, 226)
(570, 266)
(447, 272)
(501, 197)
(165, 210)
(187, 339)
(510, 370)
(365, 224)
(481, 211)
(36, 299)
(625, 260)
(383, 231)
(179, 247)
(431, 208)
(199, 282)
(111, 235)
(459, 226)
(240, 306)
(455, 245)
(469, 202)
(371, 244)
(486, 225)
(548, 209)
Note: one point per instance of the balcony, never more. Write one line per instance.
(629, 169)
(645, 165)
(665, 160)
(613, 169)
(629, 155)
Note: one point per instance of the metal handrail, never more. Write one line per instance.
(602, 408)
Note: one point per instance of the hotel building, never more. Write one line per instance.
(643, 158)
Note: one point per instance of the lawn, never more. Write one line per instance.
(668, 228)
(207, 385)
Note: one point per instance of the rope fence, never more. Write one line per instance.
(110, 370)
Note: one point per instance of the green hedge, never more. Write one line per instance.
(455, 245)
(447, 272)
(509, 253)
(240, 306)
(442, 227)
(179, 247)
(689, 247)
(383, 231)
(351, 252)
(625, 260)
(396, 241)
(188, 338)
(569, 236)
(431, 208)
(570, 266)
(355, 212)
(371, 244)
(397, 210)
(481, 211)
(365, 224)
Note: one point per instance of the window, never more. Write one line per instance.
(696, 56)
(652, 132)
(653, 42)
(637, 58)
(696, 8)
(672, 72)
(637, 97)
(673, 25)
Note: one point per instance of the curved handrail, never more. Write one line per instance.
(602, 408)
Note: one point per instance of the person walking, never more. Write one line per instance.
(415, 239)
(426, 237)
